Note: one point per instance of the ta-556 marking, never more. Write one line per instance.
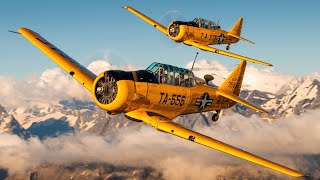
(174, 99)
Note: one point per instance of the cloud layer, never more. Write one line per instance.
(293, 142)
(54, 84)
(51, 86)
(264, 79)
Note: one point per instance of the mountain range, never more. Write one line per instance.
(69, 116)
(74, 116)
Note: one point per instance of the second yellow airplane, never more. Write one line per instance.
(201, 33)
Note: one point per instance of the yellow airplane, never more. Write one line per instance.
(158, 94)
(201, 33)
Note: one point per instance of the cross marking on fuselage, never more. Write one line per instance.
(221, 38)
(204, 101)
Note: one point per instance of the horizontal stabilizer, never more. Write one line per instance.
(243, 39)
(239, 100)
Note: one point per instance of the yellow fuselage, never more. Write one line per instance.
(203, 36)
(164, 100)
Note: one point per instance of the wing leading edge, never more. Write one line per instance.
(76, 70)
(218, 51)
(166, 125)
(147, 19)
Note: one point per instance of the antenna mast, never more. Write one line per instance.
(194, 61)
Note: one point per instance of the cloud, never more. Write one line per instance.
(293, 142)
(264, 79)
(50, 87)
(100, 66)
(54, 84)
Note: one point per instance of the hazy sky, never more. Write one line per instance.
(286, 33)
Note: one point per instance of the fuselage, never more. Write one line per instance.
(170, 98)
(206, 35)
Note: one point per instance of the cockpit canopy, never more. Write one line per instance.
(206, 23)
(167, 74)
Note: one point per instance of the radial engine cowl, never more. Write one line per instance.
(177, 32)
(112, 92)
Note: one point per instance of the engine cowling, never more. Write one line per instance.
(177, 32)
(112, 91)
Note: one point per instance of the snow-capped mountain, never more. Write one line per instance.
(298, 96)
(289, 87)
(73, 116)
(10, 125)
(305, 96)
(76, 116)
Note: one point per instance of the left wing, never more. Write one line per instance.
(166, 125)
(218, 51)
(76, 70)
(147, 19)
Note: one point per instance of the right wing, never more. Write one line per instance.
(147, 19)
(218, 51)
(76, 70)
(166, 125)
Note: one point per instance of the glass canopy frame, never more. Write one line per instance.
(172, 75)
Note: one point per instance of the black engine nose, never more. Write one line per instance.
(106, 89)
(174, 30)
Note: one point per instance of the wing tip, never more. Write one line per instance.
(22, 29)
(263, 111)
(126, 7)
(268, 64)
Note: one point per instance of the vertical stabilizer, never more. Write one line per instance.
(234, 81)
(236, 29)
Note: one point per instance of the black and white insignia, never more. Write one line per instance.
(204, 101)
(221, 38)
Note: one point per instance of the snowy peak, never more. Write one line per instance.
(305, 96)
(73, 116)
(12, 126)
(3, 112)
(315, 75)
(289, 87)
(307, 90)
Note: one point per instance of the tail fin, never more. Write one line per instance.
(236, 29)
(234, 81)
(231, 87)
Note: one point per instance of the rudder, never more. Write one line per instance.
(236, 29)
(234, 81)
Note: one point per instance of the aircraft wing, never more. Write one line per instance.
(218, 51)
(76, 70)
(147, 19)
(166, 125)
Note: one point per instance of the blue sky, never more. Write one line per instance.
(286, 33)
